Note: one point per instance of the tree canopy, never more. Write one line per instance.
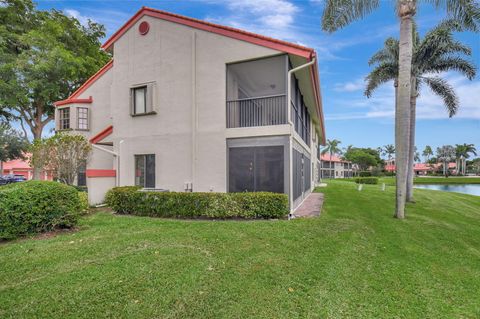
(12, 144)
(44, 57)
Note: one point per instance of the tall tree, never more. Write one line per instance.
(427, 152)
(339, 13)
(445, 155)
(389, 151)
(12, 145)
(332, 148)
(462, 153)
(39, 51)
(437, 52)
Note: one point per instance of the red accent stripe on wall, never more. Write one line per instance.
(100, 136)
(73, 101)
(101, 173)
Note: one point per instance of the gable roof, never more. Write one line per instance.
(279, 45)
(238, 34)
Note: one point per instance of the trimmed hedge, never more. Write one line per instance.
(129, 200)
(37, 206)
(364, 173)
(366, 180)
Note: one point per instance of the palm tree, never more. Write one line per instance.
(332, 148)
(437, 52)
(339, 13)
(427, 152)
(389, 151)
(445, 155)
(462, 152)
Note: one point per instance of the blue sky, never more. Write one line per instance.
(342, 56)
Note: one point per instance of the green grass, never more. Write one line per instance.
(427, 180)
(355, 261)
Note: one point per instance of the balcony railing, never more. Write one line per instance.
(257, 111)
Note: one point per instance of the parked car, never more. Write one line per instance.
(3, 181)
(12, 178)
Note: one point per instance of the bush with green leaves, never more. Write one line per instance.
(364, 173)
(366, 180)
(38, 206)
(130, 200)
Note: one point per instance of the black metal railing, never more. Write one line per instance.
(257, 111)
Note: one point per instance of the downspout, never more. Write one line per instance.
(117, 179)
(292, 128)
(194, 108)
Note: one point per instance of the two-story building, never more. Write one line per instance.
(335, 167)
(188, 105)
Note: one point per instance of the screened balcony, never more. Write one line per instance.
(257, 93)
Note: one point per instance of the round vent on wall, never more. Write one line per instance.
(143, 28)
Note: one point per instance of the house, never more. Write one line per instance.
(22, 167)
(188, 105)
(334, 167)
(422, 169)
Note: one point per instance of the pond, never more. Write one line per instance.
(471, 189)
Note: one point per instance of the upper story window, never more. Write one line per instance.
(82, 116)
(142, 99)
(64, 118)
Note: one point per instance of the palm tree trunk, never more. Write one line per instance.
(406, 11)
(411, 147)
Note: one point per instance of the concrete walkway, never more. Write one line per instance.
(311, 206)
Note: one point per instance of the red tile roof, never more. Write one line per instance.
(334, 158)
(16, 164)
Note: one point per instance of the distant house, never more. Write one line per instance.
(421, 169)
(334, 167)
(22, 167)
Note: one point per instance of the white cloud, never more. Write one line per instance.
(429, 105)
(77, 15)
(273, 18)
(350, 86)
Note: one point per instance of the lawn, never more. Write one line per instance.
(354, 261)
(427, 180)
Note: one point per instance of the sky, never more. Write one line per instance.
(342, 56)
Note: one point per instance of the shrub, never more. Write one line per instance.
(37, 206)
(83, 198)
(364, 174)
(366, 180)
(129, 200)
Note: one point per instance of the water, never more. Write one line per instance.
(471, 189)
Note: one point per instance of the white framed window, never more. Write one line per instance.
(82, 118)
(64, 118)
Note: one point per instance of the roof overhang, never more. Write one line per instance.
(98, 139)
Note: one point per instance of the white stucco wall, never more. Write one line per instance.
(188, 133)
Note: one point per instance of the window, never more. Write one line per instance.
(140, 100)
(82, 176)
(64, 118)
(82, 115)
(145, 170)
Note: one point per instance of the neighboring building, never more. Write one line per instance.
(22, 167)
(334, 167)
(422, 169)
(187, 105)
